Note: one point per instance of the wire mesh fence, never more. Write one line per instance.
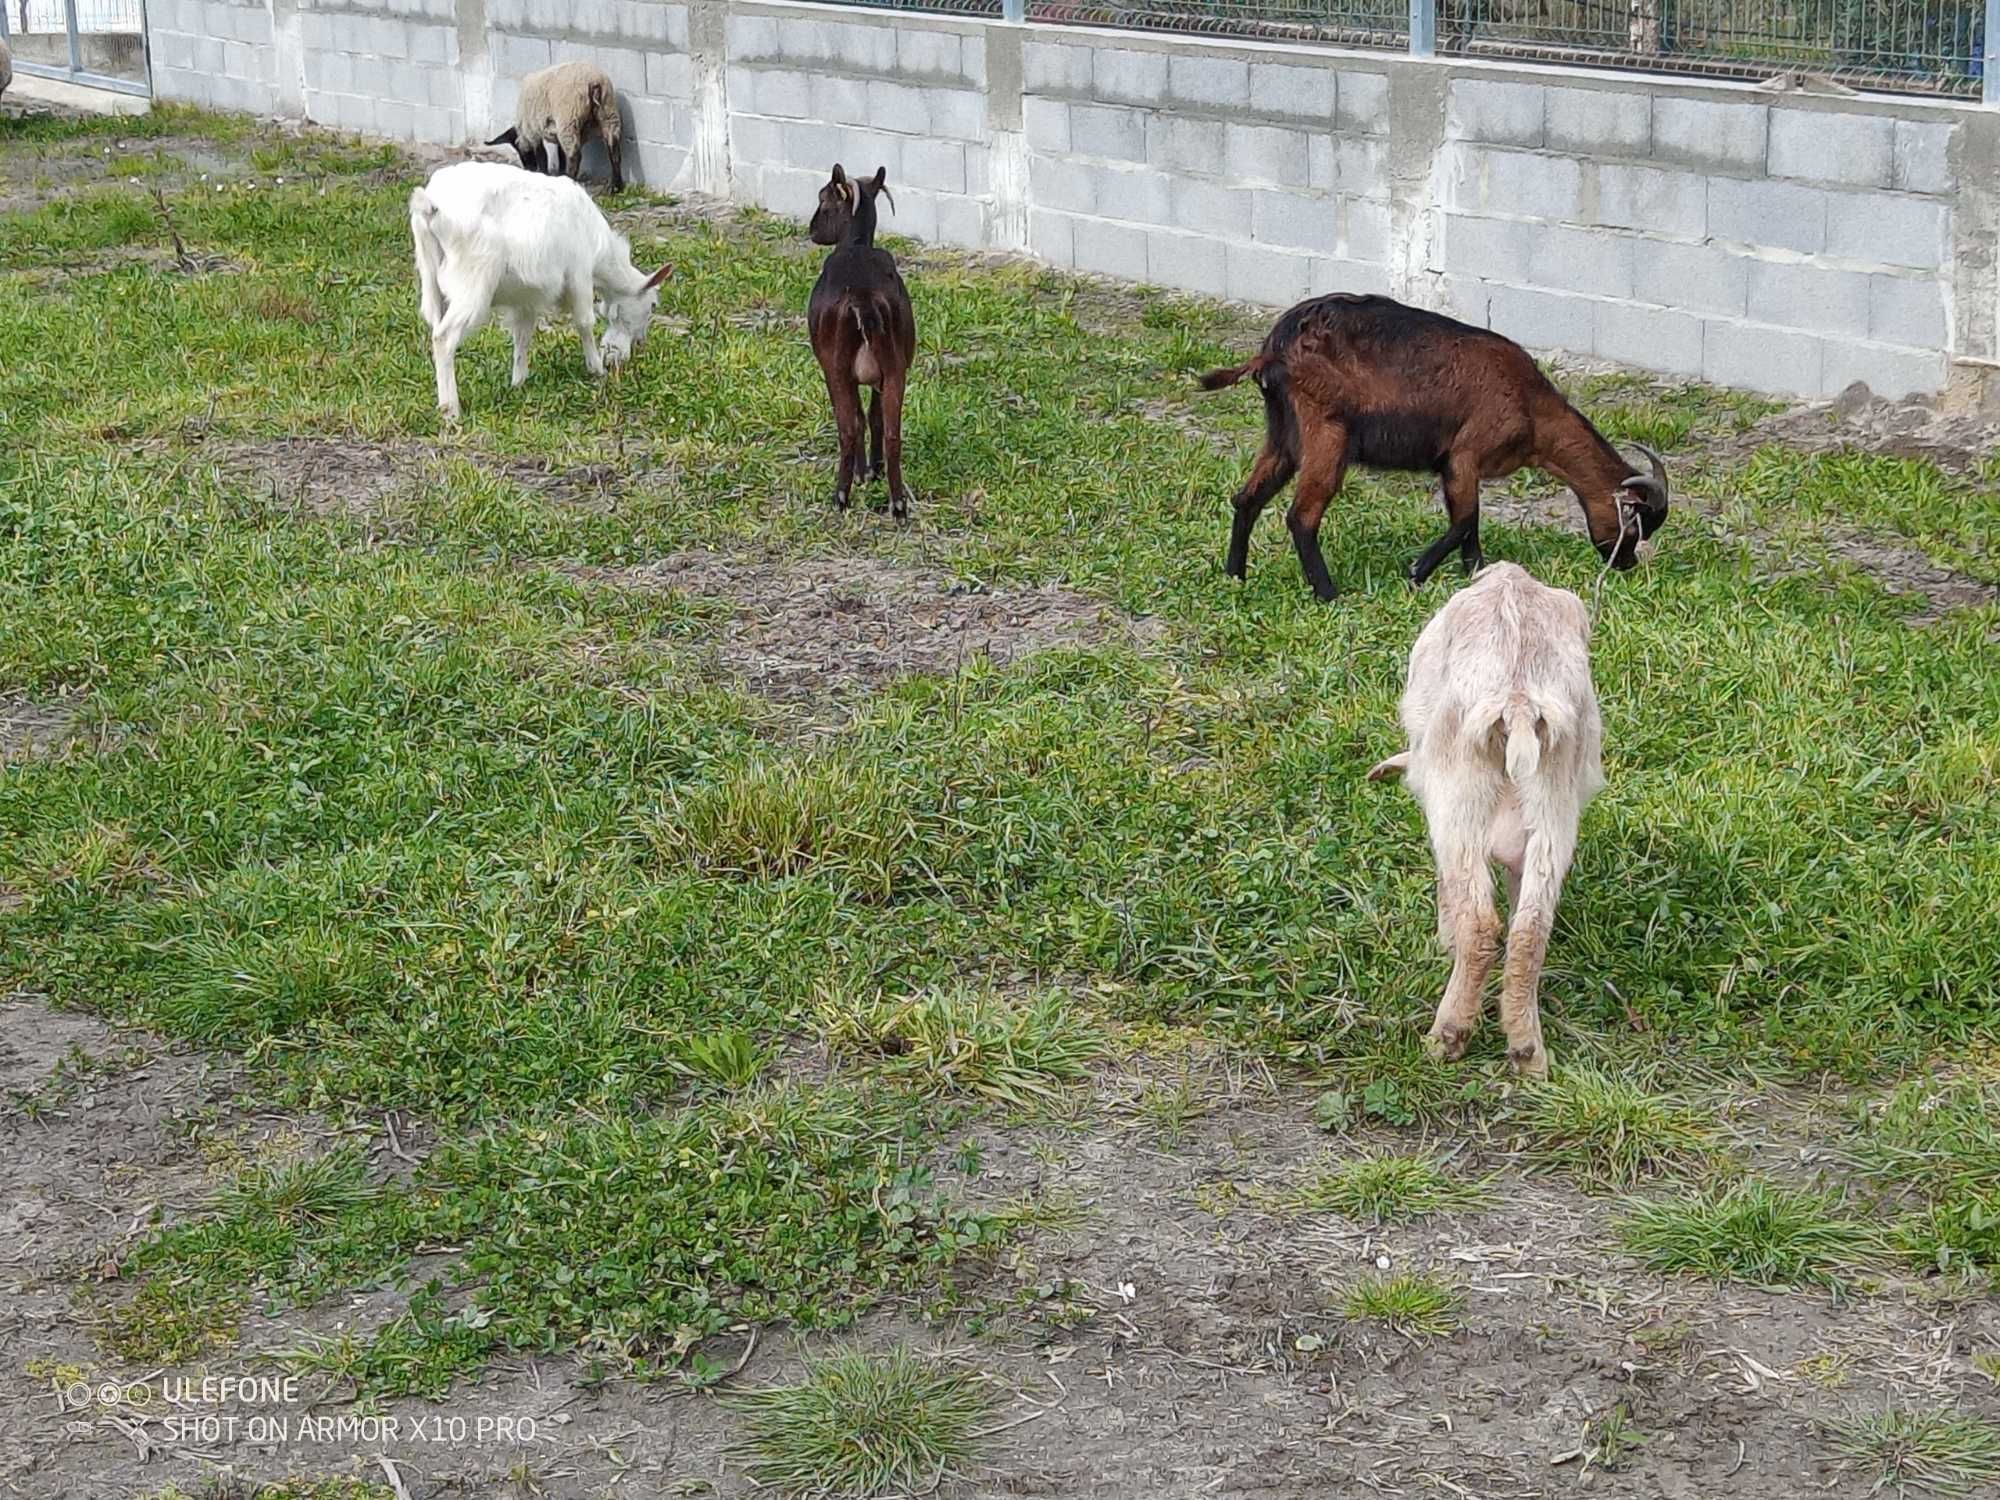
(93, 17)
(990, 9)
(1924, 46)
(1353, 23)
(1931, 46)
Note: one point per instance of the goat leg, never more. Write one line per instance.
(1462, 533)
(892, 443)
(1468, 922)
(874, 470)
(1272, 471)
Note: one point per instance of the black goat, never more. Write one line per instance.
(864, 332)
(1365, 380)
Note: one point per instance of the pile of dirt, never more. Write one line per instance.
(806, 628)
(1858, 419)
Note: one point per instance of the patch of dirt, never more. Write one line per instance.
(120, 257)
(29, 729)
(325, 476)
(1859, 419)
(807, 628)
(1164, 1337)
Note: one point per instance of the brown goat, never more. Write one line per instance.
(1366, 380)
(864, 332)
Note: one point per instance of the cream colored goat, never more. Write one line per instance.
(1504, 752)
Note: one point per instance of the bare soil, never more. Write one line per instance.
(1171, 1338)
(29, 728)
(807, 629)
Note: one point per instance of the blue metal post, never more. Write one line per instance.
(1424, 26)
(1989, 69)
(1017, 10)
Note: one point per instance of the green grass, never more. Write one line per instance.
(399, 812)
(1607, 1131)
(1750, 1231)
(863, 1424)
(1385, 1189)
(1416, 1304)
(1013, 1048)
(1942, 1452)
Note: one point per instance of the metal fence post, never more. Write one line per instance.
(1424, 26)
(1989, 61)
(1016, 11)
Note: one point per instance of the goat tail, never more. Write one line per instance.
(1524, 745)
(1216, 380)
(871, 316)
(430, 257)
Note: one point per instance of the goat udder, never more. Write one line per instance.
(867, 369)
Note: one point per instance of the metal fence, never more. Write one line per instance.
(1930, 46)
(1916, 46)
(1354, 23)
(101, 43)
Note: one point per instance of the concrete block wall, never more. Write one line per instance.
(1785, 247)
(1256, 176)
(388, 67)
(1784, 244)
(217, 53)
(807, 89)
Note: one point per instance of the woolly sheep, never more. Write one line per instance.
(487, 235)
(1504, 752)
(566, 104)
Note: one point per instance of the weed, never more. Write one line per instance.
(1612, 1439)
(312, 1191)
(1947, 1452)
(1607, 1131)
(1385, 1189)
(1417, 1304)
(973, 1041)
(790, 818)
(863, 1424)
(728, 1057)
(1749, 1231)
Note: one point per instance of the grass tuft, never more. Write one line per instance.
(1608, 1132)
(790, 818)
(967, 1040)
(1417, 1304)
(1385, 1189)
(863, 1424)
(314, 1190)
(1946, 1452)
(1751, 1232)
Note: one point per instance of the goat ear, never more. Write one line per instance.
(839, 174)
(1395, 765)
(658, 276)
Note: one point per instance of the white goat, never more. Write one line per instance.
(1504, 751)
(487, 235)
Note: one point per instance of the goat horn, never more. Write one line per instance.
(1655, 483)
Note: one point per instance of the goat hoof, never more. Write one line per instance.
(840, 500)
(1447, 1043)
(1531, 1061)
